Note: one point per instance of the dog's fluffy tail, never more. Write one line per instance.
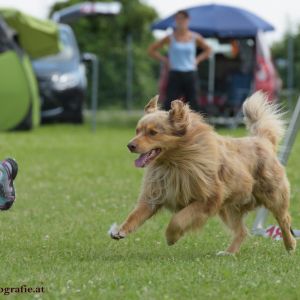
(263, 118)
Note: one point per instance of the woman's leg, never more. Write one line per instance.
(174, 90)
(190, 89)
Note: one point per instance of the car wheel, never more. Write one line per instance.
(73, 114)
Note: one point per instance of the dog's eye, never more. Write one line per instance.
(153, 132)
(137, 131)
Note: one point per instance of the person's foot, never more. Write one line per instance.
(8, 172)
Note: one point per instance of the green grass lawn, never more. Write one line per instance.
(73, 184)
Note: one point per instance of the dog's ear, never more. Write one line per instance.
(179, 116)
(152, 105)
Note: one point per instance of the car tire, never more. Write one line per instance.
(73, 114)
(77, 116)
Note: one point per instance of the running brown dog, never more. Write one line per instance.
(197, 174)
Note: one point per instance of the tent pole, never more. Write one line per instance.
(129, 72)
(211, 78)
(95, 82)
(93, 59)
(290, 70)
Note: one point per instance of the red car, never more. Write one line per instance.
(266, 75)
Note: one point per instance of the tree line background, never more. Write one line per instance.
(280, 54)
(107, 38)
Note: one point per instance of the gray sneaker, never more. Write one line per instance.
(8, 173)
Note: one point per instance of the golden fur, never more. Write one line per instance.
(197, 174)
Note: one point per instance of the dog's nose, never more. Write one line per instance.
(131, 147)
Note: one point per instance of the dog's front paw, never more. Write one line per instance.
(115, 233)
(225, 253)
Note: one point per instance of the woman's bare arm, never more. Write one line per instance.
(154, 48)
(206, 49)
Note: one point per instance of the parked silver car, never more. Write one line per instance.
(62, 81)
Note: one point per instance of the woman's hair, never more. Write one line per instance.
(183, 12)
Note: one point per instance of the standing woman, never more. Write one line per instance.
(182, 61)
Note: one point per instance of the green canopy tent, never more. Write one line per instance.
(21, 37)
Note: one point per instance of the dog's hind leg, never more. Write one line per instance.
(233, 218)
(284, 221)
(280, 212)
(192, 216)
(277, 201)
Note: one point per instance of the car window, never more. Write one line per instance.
(69, 50)
(228, 47)
(262, 47)
(5, 43)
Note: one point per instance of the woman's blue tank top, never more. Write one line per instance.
(182, 55)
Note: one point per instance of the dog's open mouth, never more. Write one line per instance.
(145, 158)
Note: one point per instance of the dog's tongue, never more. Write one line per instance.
(141, 161)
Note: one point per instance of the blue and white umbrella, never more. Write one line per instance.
(220, 21)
